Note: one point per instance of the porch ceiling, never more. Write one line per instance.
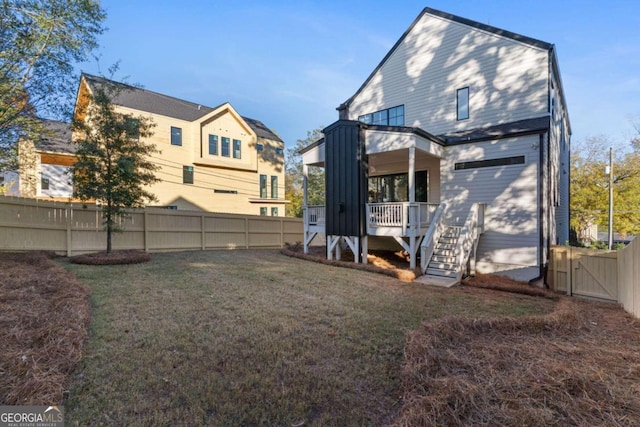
(380, 141)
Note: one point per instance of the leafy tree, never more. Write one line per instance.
(590, 187)
(113, 165)
(294, 177)
(40, 40)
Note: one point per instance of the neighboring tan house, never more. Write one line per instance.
(210, 159)
(455, 148)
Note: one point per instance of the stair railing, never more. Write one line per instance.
(431, 237)
(468, 239)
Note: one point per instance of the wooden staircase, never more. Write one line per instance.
(443, 262)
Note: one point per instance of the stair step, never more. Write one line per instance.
(442, 265)
(450, 259)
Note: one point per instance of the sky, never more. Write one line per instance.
(290, 63)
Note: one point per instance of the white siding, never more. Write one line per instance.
(507, 79)
(511, 239)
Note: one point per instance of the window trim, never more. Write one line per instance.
(178, 134)
(460, 91)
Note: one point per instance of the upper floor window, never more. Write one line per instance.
(274, 186)
(176, 136)
(236, 148)
(259, 147)
(133, 127)
(263, 186)
(213, 145)
(225, 146)
(462, 100)
(393, 116)
(44, 183)
(279, 151)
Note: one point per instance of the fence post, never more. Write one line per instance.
(69, 213)
(146, 231)
(281, 232)
(203, 236)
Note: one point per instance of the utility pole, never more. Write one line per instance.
(610, 198)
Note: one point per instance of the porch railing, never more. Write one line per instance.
(400, 214)
(468, 240)
(314, 215)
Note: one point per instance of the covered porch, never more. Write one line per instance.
(402, 187)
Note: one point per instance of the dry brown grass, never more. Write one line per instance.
(578, 366)
(44, 314)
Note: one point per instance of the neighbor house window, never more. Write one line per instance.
(187, 174)
(279, 151)
(263, 211)
(274, 187)
(259, 147)
(274, 211)
(504, 161)
(462, 97)
(263, 186)
(133, 127)
(393, 116)
(44, 183)
(225, 147)
(213, 145)
(236, 148)
(176, 136)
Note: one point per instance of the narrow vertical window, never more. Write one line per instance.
(225, 147)
(263, 211)
(236, 148)
(274, 211)
(187, 174)
(213, 145)
(463, 103)
(44, 183)
(176, 136)
(274, 187)
(263, 186)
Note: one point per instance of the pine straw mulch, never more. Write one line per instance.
(44, 315)
(119, 257)
(577, 366)
(394, 264)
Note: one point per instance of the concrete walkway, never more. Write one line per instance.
(445, 282)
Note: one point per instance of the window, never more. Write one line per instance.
(187, 174)
(44, 183)
(132, 127)
(274, 211)
(263, 186)
(391, 116)
(225, 147)
(236, 148)
(462, 97)
(217, 190)
(176, 136)
(395, 188)
(274, 187)
(504, 161)
(213, 145)
(279, 151)
(263, 211)
(259, 147)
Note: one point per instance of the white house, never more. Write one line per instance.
(456, 148)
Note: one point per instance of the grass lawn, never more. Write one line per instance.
(254, 338)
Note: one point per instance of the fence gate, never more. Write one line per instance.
(594, 275)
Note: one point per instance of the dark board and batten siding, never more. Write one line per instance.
(346, 179)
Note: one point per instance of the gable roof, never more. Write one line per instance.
(454, 18)
(56, 138)
(157, 103)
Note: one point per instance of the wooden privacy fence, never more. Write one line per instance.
(70, 228)
(611, 276)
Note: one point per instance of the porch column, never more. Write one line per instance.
(305, 183)
(305, 210)
(412, 174)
